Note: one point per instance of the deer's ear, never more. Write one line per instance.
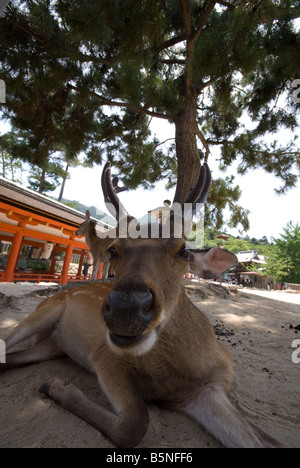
(87, 215)
(211, 263)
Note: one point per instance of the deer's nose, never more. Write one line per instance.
(128, 314)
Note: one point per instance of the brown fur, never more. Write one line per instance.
(184, 368)
(97, 245)
(142, 337)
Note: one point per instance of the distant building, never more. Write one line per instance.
(223, 236)
(247, 277)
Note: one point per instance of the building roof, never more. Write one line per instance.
(20, 197)
(40, 218)
(251, 256)
(223, 236)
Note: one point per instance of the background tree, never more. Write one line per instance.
(235, 244)
(288, 246)
(282, 257)
(10, 167)
(47, 178)
(276, 266)
(92, 76)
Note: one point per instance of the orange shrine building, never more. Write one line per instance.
(30, 219)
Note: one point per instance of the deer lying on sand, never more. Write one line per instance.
(97, 245)
(143, 338)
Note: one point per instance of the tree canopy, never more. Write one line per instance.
(89, 77)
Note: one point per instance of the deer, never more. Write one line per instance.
(142, 337)
(97, 245)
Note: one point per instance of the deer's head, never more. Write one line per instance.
(149, 275)
(87, 225)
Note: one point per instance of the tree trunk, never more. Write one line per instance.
(3, 164)
(186, 150)
(63, 184)
(42, 181)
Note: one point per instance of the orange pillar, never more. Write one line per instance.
(13, 257)
(65, 271)
(53, 261)
(79, 272)
(99, 275)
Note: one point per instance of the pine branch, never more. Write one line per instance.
(169, 43)
(108, 102)
(207, 11)
(163, 142)
(173, 62)
(281, 14)
(230, 6)
(80, 56)
(275, 153)
(206, 84)
(192, 36)
(203, 141)
(219, 142)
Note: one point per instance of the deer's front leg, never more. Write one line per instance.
(126, 426)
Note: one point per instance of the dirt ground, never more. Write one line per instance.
(259, 330)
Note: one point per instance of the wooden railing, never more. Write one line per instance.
(42, 277)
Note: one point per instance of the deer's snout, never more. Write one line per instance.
(127, 315)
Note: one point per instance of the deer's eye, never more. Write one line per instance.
(184, 253)
(112, 252)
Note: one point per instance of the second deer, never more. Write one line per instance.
(97, 245)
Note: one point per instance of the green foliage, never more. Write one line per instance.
(47, 178)
(288, 245)
(222, 195)
(276, 266)
(235, 244)
(10, 167)
(38, 265)
(88, 77)
(71, 203)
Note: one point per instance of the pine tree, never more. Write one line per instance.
(11, 168)
(91, 76)
(288, 245)
(47, 178)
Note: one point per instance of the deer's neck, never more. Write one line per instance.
(91, 236)
(186, 322)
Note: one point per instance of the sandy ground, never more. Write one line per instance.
(258, 329)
